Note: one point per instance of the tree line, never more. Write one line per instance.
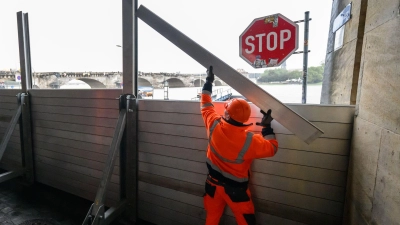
(314, 75)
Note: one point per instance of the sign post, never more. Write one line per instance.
(268, 41)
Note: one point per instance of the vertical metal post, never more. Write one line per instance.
(26, 84)
(24, 51)
(129, 46)
(26, 139)
(132, 158)
(130, 78)
(305, 57)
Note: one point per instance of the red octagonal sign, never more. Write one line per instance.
(268, 41)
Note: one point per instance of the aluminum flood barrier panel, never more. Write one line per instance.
(301, 184)
(12, 157)
(297, 124)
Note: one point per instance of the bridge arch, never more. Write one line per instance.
(198, 83)
(218, 83)
(175, 82)
(93, 83)
(144, 82)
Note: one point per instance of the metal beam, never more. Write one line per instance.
(298, 125)
(10, 175)
(24, 51)
(109, 165)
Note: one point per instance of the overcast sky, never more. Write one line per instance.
(81, 35)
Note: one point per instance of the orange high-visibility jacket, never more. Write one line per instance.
(232, 149)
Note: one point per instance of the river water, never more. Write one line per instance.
(286, 93)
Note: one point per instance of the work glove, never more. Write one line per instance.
(266, 120)
(266, 123)
(210, 75)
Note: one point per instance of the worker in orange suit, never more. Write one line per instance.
(230, 153)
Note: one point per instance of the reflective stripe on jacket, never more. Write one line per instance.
(232, 149)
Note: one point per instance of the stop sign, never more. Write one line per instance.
(268, 41)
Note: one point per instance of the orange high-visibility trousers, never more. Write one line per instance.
(239, 200)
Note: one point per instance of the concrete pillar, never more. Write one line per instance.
(373, 187)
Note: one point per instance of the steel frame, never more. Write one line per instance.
(97, 215)
(22, 115)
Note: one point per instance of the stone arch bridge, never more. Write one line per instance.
(43, 80)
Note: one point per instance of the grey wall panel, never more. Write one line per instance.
(331, 130)
(297, 200)
(324, 145)
(177, 141)
(83, 120)
(12, 155)
(75, 168)
(326, 161)
(169, 213)
(8, 106)
(4, 125)
(70, 135)
(83, 186)
(174, 129)
(77, 93)
(185, 165)
(292, 213)
(94, 156)
(12, 92)
(73, 102)
(73, 160)
(193, 119)
(63, 185)
(14, 136)
(149, 216)
(12, 159)
(324, 176)
(177, 152)
(178, 185)
(174, 190)
(302, 184)
(266, 180)
(172, 194)
(313, 189)
(85, 129)
(195, 178)
(8, 99)
(326, 113)
(91, 147)
(269, 219)
(42, 168)
(7, 112)
(64, 110)
(182, 207)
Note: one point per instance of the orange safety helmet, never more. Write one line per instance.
(238, 109)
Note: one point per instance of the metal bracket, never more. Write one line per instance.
(299, 52)
(97, 214)
(18, 117)
(301, 21)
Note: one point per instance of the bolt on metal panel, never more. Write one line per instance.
(298, 125)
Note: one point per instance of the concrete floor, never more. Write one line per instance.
(19, 203)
